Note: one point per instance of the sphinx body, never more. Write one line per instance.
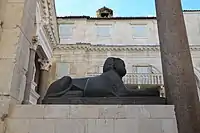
(108, 84)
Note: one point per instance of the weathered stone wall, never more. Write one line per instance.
(91, 119)
(80, 59)
(19, 25)
(90, 59)
(2, 9)
(18, 18)
(121, 30)
(17, 34)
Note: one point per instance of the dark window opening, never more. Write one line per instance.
(37, 73)
(103, 15)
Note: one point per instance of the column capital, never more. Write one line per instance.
(34, 43)
(44, 64)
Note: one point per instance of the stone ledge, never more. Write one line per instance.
(142, 100)
(91, 126)
(92, 111)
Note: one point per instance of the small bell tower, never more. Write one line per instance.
(104, 12)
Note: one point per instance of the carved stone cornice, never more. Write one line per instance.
(45, 64)
(45, 42)
(48, 16)
(100, 48)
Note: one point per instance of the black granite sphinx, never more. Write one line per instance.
(107, 85)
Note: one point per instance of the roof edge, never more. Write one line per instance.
(112, 18)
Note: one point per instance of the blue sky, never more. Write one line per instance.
(120, 7)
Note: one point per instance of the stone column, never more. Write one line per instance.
(29, 75)
(45, 66)
(180, 85)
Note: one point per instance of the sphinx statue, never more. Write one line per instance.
(108, 84)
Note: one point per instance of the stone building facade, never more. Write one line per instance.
(87, 41)
(28, 33)
(31, 51)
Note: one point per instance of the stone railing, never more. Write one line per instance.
(143, 78)
(140, 78)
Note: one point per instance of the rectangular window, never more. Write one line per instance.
(142, 69)
(139, 31)
(66, 31)
(62, 69)
(103, 30)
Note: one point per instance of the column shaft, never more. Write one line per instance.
(45, 66)
(43, 85)
(177, 65)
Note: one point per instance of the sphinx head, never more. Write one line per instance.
(115, 64)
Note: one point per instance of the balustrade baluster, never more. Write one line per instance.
(138, 78)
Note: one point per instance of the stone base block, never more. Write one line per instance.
(91, 119)
(108, 100)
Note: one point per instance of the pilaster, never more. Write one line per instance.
(30, 72)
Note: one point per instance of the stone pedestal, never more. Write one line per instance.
(92, 119)
(145, 100)
(180, 84)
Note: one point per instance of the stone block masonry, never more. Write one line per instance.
(18, 17)
(91, 119)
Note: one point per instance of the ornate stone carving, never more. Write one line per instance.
(44, 64)
(90, 47)
(47, 8)
(34, 43)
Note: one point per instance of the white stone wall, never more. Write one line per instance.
(121, 32)
(91, 119)
(88, 58)
(192, 22)
(18, 28)
(84, 30)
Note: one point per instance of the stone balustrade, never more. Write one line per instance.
(141, 78)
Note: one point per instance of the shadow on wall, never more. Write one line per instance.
(197, 77)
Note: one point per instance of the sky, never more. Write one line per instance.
(119, 7)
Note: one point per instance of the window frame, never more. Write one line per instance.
(108, 35)
(142, 66)
(134, 34)
(71, 30)
(58, 72)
